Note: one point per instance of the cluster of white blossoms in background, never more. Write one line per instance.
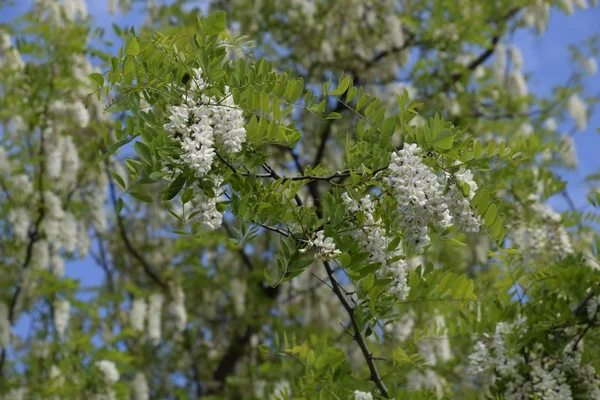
(177, 308)
(578, 110)
(109, 370)
(568, 151)
(325, 247)
(110, 375)
(422, 198)
(401, 329)
(238, 296)
(588, 64)
(543, 233)
(427, 379)
(137, 314)
(140, 388)
(73, 109)
(154, 317)
(437, 347)
(10, 57)
(372, 238)
(202, 121)
(550, 377)
(593, 312)
(62, 311)
(537, 14)
(282, 391)
(358, 395)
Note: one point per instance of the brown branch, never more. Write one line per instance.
(357, 335)
(128, 245)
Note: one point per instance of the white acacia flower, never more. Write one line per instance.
(420, 195)
(137, 315)
(325, 247)
(178, 308)
(201, 122)
(238, 295)
(516, 85)
(140, 388)
(62, 310)
(372, 238)
(155, 317)
(358, 395)
(109, 371)
(500, 63)
(578, 110)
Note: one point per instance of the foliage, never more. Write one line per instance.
(279, 215)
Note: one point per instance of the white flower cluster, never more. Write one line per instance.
(177, 307)
(420, 194)
(550, 378)
(140, 388)
(63, 161)
(568, 151)
(593, 312)
(75, 110)
(325, 247)
(137, 314)
(10, 57)
(578, 110)
(422, 201)
(436, 348)
(62, 311)
(60, 226)
(282, 391)
(537, 14)
(109, 371)
(589, 64)
(463, 217)
(21, 393)
(358, 395)
(20, 219)
(210, 218)
(372, 237)
(544, 233)
(427, 379)
(400, 330)
(238, 296)
(201, 121)
(154, 317)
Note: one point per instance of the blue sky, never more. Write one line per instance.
(546, 55)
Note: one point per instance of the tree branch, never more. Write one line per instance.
(128, 245)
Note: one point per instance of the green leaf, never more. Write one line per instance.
(215, 23)
(118, 178)
(343, 85)
(490, 214)
(97, 77)
(132, 47)
(367, 283)
(175, 187)
(142, 196)
(143, 151)
(444, 139)
(119, 205)
(333, 115)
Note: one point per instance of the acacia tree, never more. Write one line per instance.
(348, 202)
